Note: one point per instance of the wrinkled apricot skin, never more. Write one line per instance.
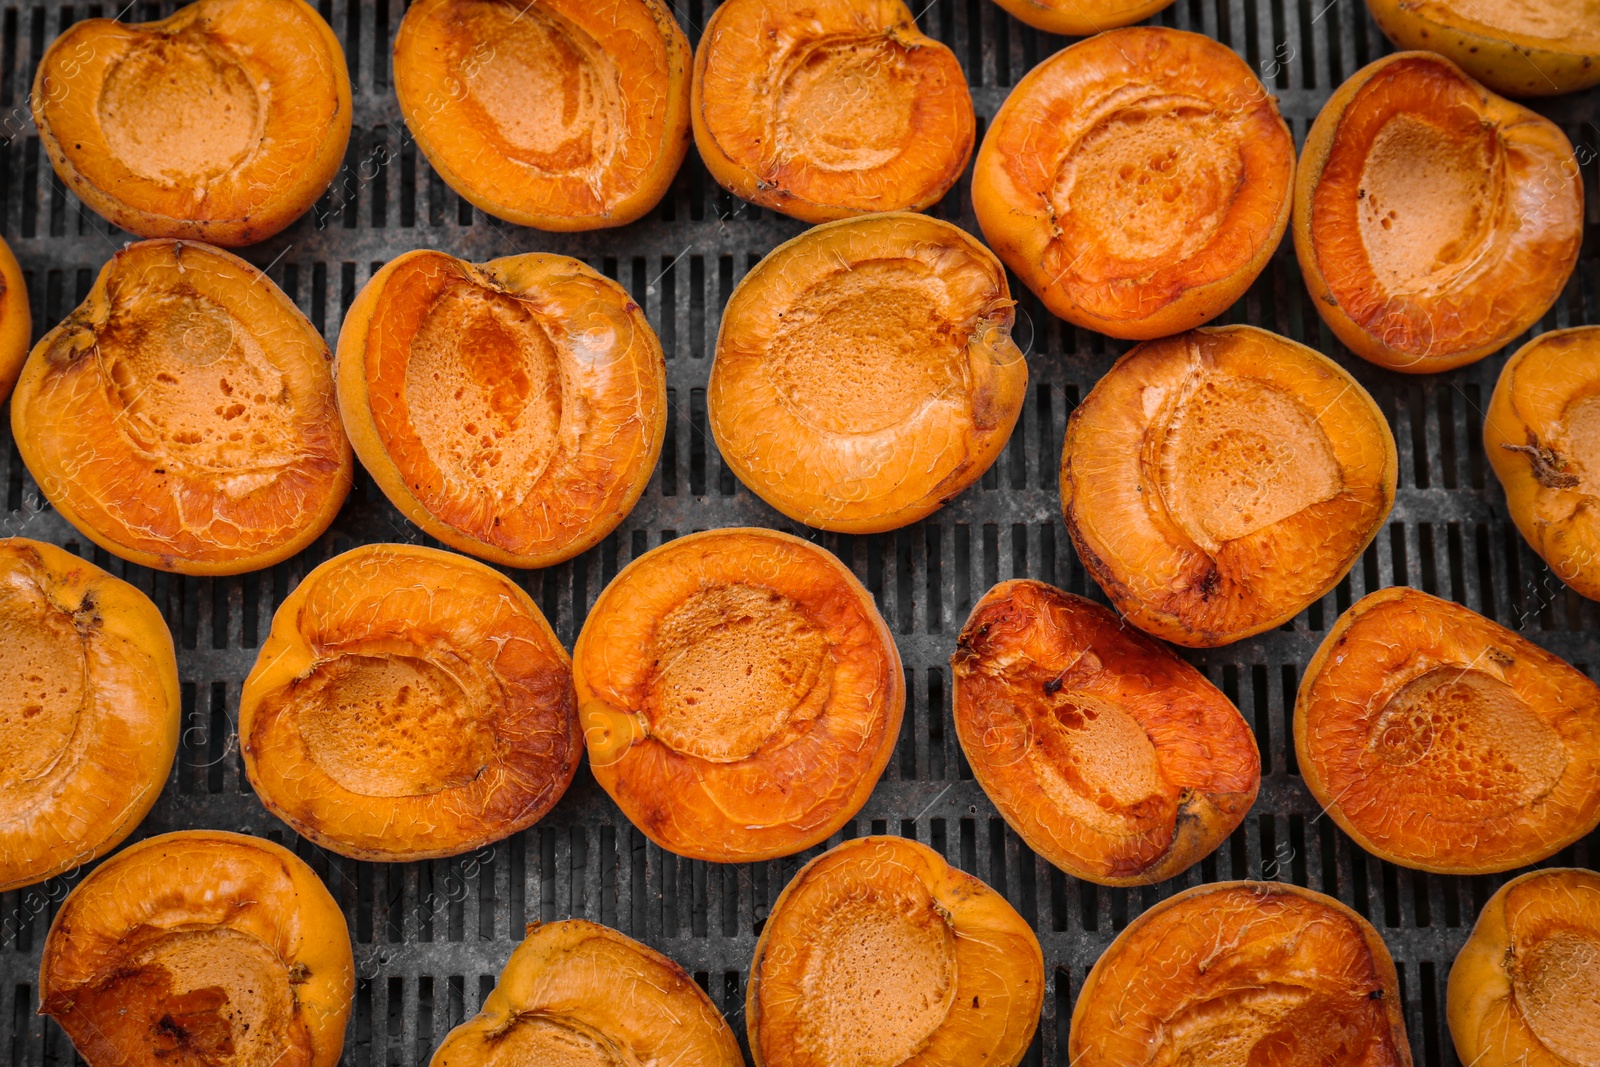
(513, 409)
(88, 710)
(1137, 181)
(1434, 221)
(1440, 740)
(1523, 991)
(879, 953)
(183, 417)
(564, 115)
(1081, 18)
(16, 321)
(577, 992)
(1218, 482)
(865, 372)
(222, 123)
(409, 704)
(740, 694)
(200, 947)
(1110, 756)
(824, 109)
(1273, 973)
(1516, 47)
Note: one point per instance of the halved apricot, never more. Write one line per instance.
(1519, 47)
(88, 710)
(1257, 973)
(880, 953)
(1525, 990)
(1542, 436)
(1434, 220)
(1443, 741)
(865, 372)
(562, 114)
(740, 694)
(512, 409)
(577, 993)
(200, 947)
(1218, 482)
(823, 109)
(1081, 18)
(409, 704)
(222, 123)
(16, 321)
(1110, 756)
(1137, 181)
(183, 417)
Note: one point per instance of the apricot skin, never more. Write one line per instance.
(16, 320)
(1492, 50)
(1080, 18)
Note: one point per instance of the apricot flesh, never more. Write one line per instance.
(16, 320)
(1516, 47)
(1081, 18)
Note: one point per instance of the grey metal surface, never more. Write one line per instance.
(430, 937)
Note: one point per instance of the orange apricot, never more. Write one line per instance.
(1517, 47)
(1081, 18)
(16, 321)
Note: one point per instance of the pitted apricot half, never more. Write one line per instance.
(512, 409)
(1137, 181)
(222, 123)
(1218, 482)
(183, 417)
(1110, 756)
(1542, 436)
(1443, 741)
(740, 694)
(865, 372)
(1257, 973)
(200, 947)
(1081, 18)
(823, 109)
(1517, 47)
(1434, 220)
(409, 704)
(562, 114)
(16, 321)
(577, 993)
(1525, 990)
(88, 710)
(879, 953)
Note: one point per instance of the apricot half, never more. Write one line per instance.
(222, 123)
(1218, 482)
(1243, 973)
(879, 953)
(1525, 990)
(1519, 47)
(1137, 181)
(183, 417)
(512, 409)
(16, 321)
(1110, 756)
(1081, 18)
(822, 109)
(409, 704)
(1434, 220)
(200, 947)
(88, 710)
(1542, 436)
(562, 114)
(865, 372)
(740, 694)
(1440, 740)
(577, 993)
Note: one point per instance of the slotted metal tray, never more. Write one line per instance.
(430, 937)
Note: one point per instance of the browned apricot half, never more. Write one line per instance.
(1110, 756)
(1518, 47)
(1243, 973)
(1081, 18)
(1434, 220)
(865, 372)
(222, 123)
(1137, 181)
(879, 953)
(200, 947)
(16, 321)
(409, 704)
(88, 710)
(1218, 482)
(740, 694)
(1440, 740)
(577, 994)
(562, 114)
(1525, 990)
(512, 409)
(823, 109)
(1542, 436)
